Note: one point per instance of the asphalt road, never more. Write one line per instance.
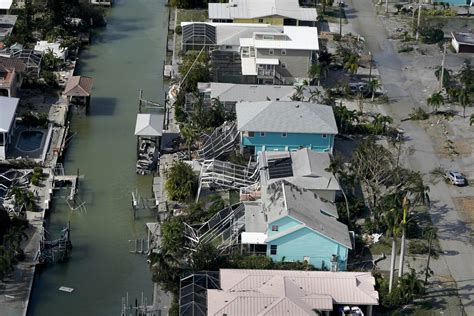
(455, 235)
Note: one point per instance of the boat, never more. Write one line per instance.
(66, 289)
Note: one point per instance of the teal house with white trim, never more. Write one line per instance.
(297, 225)
(285, 126)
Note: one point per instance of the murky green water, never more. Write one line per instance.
(125, 57)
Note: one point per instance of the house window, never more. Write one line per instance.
(325, 135)
(228, 47)
(260, 20)
(268, 37)
(262, 134)
(273, 249)
(283, 52)
(283, 65)
(271, 51)
(284, 134)
(274, 228)
(251, 134)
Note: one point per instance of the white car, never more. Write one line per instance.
(456, 178)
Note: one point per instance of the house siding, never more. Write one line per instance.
(293, 141)
(283, 224)
(297, 62)
(308, 243)
(273, 20)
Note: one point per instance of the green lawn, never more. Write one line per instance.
(191, 16)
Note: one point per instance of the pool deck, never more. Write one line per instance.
(14, 151)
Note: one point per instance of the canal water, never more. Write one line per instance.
(125, 57)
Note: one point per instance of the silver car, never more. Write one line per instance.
(456, 178)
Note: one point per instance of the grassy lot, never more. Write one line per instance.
(191, 16)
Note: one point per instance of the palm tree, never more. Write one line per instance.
(464, 100)
(298, 94)
(374, 85)
(418, 192)
(345, 117)
(352, 64)
(435, 100)
(392, 220)
(318, 71)
(380, 123)
(314, 96)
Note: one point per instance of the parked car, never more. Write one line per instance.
(456, 178)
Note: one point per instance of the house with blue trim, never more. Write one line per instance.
(297, 225)
(285, 126)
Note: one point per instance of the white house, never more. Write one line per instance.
(8, 108)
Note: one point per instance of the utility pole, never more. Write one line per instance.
(370, 66)
(441, 76)
(429, 256)
(341, 4)
(418, 24)
(386, 6)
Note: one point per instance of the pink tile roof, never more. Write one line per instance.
(281, 292)
(79, 86)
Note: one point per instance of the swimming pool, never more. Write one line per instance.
(30, 140)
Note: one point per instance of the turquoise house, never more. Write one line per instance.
(303, 227)
(285, 126)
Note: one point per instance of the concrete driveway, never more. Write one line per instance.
(455, 235)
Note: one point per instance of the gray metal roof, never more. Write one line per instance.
(7, 112)
(149, 125)
(465, 38)
(229, 92)
(286, 116)
(254, 217)
(283, 199)
(249, 9)
(308, 169)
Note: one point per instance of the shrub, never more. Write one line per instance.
(172, 234)
(405, 49)
(181, 183)
(418, 114)
(49, 78)
(431, 35)
(420, 247)
(337, 37)
(178, 30)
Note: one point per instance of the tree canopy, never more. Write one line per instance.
(181, 182)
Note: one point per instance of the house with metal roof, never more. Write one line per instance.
(8, 108)
(298, 225)
(285, 126)
(276, 12)
(229, 94)
(303, 168)
(254, 53)
(296, 293)
(280, 58)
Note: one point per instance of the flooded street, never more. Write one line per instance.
(124, 57)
